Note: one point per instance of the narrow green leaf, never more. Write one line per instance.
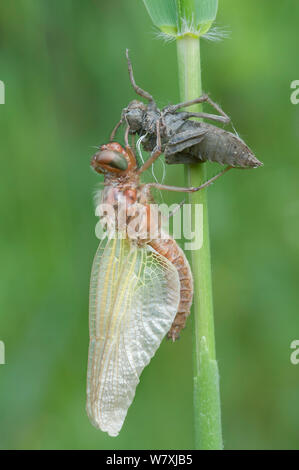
(163, 14)
(205, 11)
(205, 14)
(180, 18)
(195, 17)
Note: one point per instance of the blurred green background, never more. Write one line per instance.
(64, 68)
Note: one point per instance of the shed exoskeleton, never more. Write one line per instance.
(184, 140)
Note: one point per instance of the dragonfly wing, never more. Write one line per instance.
(134, 297)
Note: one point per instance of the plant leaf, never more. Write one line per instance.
(205, 11)
(205, 14)
(195, 17)
(163, 14)
(182, 17)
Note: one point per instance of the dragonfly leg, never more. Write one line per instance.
(212, 117)
(113, 133)
(133, 146)
(202, 99)
(192, 189)
(179, 206)
(138, 90)
(155, 153)
(130, 150)
(126, 137)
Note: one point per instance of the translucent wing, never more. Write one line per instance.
(134, 296)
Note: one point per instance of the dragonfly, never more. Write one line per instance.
(141, 286)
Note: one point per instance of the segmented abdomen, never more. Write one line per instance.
(171, 250)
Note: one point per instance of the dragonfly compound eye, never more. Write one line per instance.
(109, 160)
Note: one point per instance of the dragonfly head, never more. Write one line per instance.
(111, 158)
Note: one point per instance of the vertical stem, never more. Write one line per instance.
(208, 434)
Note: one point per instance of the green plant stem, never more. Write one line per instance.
(208, 434)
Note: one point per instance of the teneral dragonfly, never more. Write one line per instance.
(141, 288)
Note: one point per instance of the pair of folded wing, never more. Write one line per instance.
(134, 297)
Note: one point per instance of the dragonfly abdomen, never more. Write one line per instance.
(171, 250)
